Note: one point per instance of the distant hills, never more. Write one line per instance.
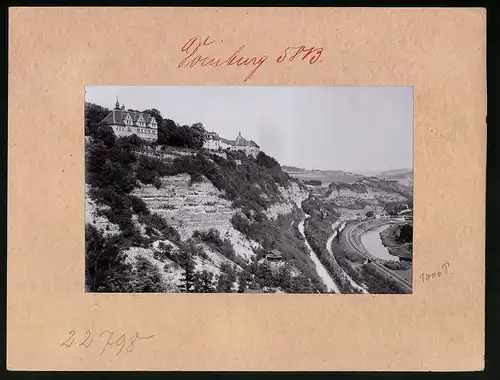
(292, 169)
(403, 176)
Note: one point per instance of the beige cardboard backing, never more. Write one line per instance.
(54, 52)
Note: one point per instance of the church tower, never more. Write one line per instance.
(117, 105)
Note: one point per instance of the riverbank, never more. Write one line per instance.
(365, 236)
(395, 248)
(365, 226)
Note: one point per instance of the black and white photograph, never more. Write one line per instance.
(248, 189)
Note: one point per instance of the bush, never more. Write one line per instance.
(105, 267)
(397, 265)
(405, 234)
(139, 206)
(171, 133)
(211, 237)
(195, 177)
(224, 247)
(378, 283)
(267, 161)
(240, 223)
(146, 277)
(155, 221)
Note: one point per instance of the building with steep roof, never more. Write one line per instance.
(214, 142)
(127, 123)
(274, 255)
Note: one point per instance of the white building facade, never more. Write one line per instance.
(214, 142)
(127, 123)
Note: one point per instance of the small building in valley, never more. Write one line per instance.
(274, 255)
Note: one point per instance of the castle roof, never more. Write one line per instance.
(239, 141)
(118, 116)
(226, 141)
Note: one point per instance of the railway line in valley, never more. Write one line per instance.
(359, 248)
(353, 283)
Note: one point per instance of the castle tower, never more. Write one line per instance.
(117, 105)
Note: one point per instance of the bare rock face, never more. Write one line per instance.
(292, 197)
(186, 207)
(170, 274)
(199, 206)
(367, 191)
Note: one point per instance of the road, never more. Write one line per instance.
(320, 269)
(362, 251)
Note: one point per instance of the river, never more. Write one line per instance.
(373, 244)
(320, 269)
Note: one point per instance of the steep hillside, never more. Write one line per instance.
(174, 219)
(371, 192)
(403, 176)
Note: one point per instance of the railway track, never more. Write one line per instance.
(362, 251)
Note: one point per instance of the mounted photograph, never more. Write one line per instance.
(248, 189)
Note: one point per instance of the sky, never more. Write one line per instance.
(356, 129)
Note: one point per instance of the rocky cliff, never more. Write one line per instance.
(158, 215)
(371, 191)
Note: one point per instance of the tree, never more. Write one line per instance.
(171, 133)
(188, 279)
(268, 161)
(300, 284)
(197, 136)
(204, 282)
(284, 279)
(94, 114)
(242, 284)
(226, 279)
(240, 223)
(147, 277)
(224, 284)
(105, 267)
(156, 114)
(264, 274)
(406, 234)
(104, 133)
(165, 131)
(369, 214)
(253, 285)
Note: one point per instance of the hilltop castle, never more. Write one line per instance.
(127, 123)
(214, 142)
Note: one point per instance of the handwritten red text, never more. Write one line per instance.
(196, 55)
(301, 52)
